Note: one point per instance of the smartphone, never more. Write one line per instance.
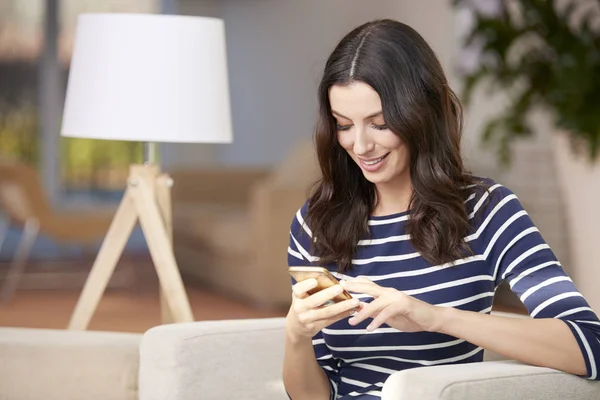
(324, 280)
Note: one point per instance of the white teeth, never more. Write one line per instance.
(374, 161)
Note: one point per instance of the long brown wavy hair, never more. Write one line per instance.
(418, 106)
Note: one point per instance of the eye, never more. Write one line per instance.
(342, 127)
(379, 127)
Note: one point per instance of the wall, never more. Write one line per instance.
(581, 190)
(276, 51)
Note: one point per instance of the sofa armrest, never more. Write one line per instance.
(232, 359)
(494, 380)
(216, 185)
(55, 364)
(272, 210)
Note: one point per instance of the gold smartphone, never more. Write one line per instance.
(324, 280)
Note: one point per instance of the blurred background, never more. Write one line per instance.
(232, 204)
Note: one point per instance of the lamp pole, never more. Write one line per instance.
(149, 153)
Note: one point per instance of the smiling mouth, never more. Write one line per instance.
(376, 161)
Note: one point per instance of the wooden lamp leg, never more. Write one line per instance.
(104, 266)
(163, 197)
(162, 253)
(147, 197)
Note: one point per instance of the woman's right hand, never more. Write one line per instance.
(307, 316)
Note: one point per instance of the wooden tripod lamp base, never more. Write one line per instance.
(148, 199)
(193, 109)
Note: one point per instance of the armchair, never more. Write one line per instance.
(242, 360)
(23, 201)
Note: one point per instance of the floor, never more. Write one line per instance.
(118, 310)
(131, 304)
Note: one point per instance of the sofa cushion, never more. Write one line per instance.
(234, 359)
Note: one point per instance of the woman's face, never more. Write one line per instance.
(362, 132)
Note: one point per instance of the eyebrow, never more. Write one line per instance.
(377, 114)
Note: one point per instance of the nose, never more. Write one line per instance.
(363, 143)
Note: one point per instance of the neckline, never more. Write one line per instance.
(388, 216)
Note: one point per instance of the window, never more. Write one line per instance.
(95, 170)
(19, 57)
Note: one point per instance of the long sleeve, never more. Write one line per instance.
(299, 255)
(300, 241)
(517, 253)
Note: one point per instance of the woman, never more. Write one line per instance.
(420, 243)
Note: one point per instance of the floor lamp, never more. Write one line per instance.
(148, 78)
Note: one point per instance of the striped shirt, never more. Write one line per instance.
(506, 246)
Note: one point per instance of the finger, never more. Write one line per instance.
(382, 317)
(360, 307)
(360, 278)
(364, 287)
(323, 296)
(369, 311)
(327, 315)
(301, 288)
(341, 309)
(344, 314)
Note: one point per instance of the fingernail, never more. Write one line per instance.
(338, 289)
(369, 328)
(352, 321)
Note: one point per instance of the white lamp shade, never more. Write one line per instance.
(145, 77)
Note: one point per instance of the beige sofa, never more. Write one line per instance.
(234, 359)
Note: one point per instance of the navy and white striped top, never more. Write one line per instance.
(506, 246)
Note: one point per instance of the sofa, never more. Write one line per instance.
(231, 359)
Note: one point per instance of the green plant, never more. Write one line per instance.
(18, 133)
(544, 57)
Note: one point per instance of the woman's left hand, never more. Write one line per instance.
(394, 308)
